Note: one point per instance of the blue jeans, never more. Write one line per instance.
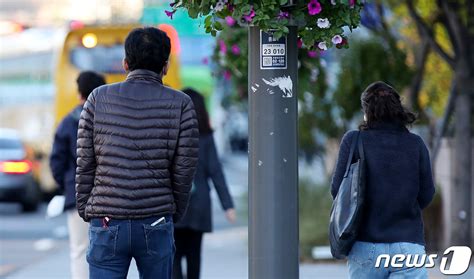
(363, 257)
(112, 247)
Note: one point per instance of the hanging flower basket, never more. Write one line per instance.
(320, 22)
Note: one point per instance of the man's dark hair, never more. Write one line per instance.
(147, 48)
(88, 81)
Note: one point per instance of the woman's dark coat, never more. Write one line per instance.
(199, 213)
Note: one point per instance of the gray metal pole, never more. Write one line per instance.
(273, 160)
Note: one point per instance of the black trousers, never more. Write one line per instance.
(188, 245)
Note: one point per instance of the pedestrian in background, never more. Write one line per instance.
(399, 185)
(198, 219)
(137, 152)
(63, 167)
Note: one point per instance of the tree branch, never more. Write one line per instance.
(452, 37)
(470, 20)
(414, 90)
(444, 121)
(454, 26)
(426, 32)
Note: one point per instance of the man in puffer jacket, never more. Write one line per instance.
(137, 149)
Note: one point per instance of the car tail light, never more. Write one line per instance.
(15, 167)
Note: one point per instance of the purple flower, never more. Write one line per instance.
(230, 21)
(322, 46)
(249, 17)
(283, 15)
(314, 7)
(352, 3)
(230, 7)
(227, 75)
(205, 61)
(337, 39)
(312, 53)
(173, 4)
(222, 47)
(235, 49)
(170, 14)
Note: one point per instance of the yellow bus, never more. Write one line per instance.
(100, 49)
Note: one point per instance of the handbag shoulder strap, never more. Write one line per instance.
(361, 148)
(355, 139)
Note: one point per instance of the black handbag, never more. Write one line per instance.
(346, 211)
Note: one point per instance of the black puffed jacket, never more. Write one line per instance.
(137, 150)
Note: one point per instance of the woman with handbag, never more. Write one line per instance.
(397, 186)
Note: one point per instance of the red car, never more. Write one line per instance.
(17, 183)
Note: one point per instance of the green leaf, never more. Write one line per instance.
(205, 3)
(213, 33)
(245, 9)
(218, 25)
(278, 34)
(193, 12)
(208, 20)
(283, 2)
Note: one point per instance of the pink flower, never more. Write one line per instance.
(227, 75)
(352, 3)
(283, 15)
(299, 43)
(222, 47)
(312, 53)
(170, 14)
(230, 21)
(235, 49)
(249, 17)
(314, 7)
(205, 61)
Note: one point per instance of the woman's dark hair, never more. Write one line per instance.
(147, 48)
(382, 103)
(201, 112)
(88, 81)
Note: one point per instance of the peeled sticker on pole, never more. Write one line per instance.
(272, 51)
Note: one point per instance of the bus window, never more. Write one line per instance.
(104, 59)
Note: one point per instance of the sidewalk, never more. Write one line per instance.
(225, 252)
(224, 256)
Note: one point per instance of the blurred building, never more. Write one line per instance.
(53, 12)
